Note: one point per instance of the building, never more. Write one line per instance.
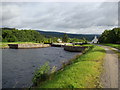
(59, 40)
(95, 40)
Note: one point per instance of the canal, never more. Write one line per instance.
(18, 65)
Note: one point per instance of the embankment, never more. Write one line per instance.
(24, 46)
(83, 73)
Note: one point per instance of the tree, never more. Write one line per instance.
(21, 36)
(65, 38)
(110, 36)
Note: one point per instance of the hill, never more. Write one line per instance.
(60, 34)
(48, 34)
(15, 35)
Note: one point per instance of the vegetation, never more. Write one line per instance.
(15, 35)
(65, 38)
(41, 74)
(89, 37)
(84, 72)
(89, 45)
(113, 45)
(110, 36)
(21, 36)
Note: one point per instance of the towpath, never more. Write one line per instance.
(109, 77)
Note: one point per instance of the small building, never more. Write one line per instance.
(59, 40)
(95, 40)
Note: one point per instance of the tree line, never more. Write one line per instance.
(21, 36)
(110, 36)
(15, 35)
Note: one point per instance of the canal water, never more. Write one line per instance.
(18, 65)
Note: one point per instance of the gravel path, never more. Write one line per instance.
(110, 75)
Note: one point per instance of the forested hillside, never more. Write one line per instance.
(110, 36)
(14, 35)
(89, 37)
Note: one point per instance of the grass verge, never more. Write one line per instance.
(117, 52)
(113, 45)
(80, 45)
(83, 73)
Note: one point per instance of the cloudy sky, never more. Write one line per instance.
(77, 17)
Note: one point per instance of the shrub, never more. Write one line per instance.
(52, 72)
(41, 74)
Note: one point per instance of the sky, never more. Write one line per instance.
(69, 17)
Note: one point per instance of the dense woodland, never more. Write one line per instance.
(110, 36)
(15, 35)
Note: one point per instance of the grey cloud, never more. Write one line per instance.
(119, 13)
(11, 13)
(66, 17)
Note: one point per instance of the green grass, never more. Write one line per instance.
(80, 45)
(5, 44)
(83, 73)
(113, 45)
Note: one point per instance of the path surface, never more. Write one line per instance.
(110, 75)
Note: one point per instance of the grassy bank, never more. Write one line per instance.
(80, 45)
(5, 44)
(113, 45)
(83, 73)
